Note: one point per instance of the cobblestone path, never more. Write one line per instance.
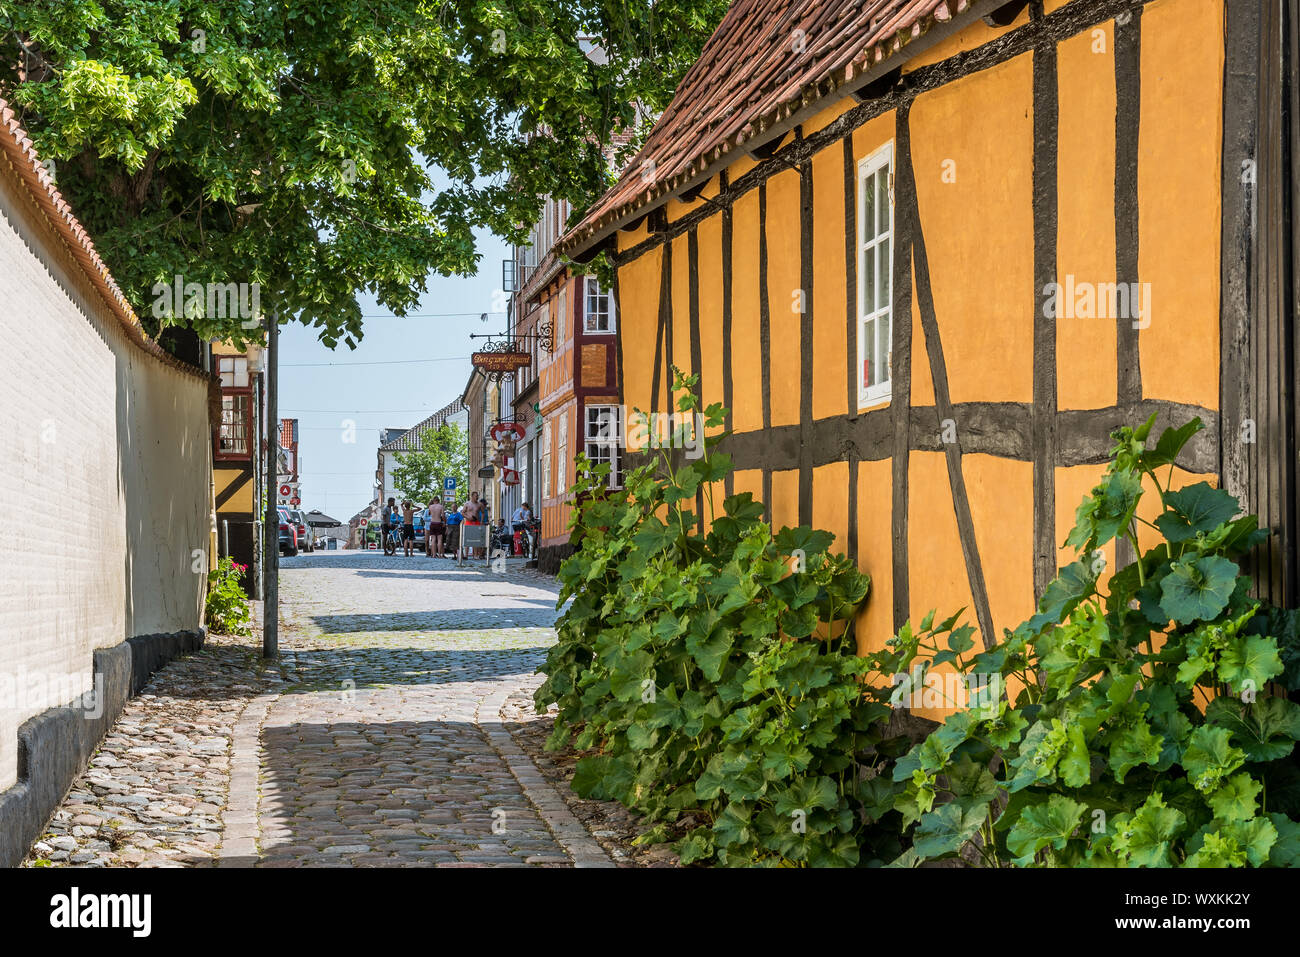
(376, 739)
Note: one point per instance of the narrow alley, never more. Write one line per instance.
(375, 739)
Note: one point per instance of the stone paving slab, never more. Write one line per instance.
(375, 740)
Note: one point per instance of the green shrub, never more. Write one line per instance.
(227, 606)
(1104, 758)
(714, 677)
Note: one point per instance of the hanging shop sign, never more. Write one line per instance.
(501, 430)
(509, 477)
(501, 362)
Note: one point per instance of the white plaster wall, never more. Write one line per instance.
(104, 478)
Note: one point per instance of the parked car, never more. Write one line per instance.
(288, 533)
(304, 533)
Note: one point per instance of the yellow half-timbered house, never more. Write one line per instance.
(930, 254)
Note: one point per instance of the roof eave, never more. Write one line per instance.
(726, 155)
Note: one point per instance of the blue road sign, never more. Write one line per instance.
(449, 484)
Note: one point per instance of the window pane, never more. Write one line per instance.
(882, 200)
(868, 209)
(868, 353)
(869, 280)
(882, 348)
(882, 290)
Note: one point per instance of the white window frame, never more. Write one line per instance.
(605, 443)
(878, 393)
(611, 320)
(561, 464)
(546, 460)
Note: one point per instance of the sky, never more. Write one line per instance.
(402, 371)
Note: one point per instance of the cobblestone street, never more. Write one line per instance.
(376, 739)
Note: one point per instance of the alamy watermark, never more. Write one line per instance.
(1075, 299)
(921, 688)
(30, 692)
(649, 430)
(210, 300)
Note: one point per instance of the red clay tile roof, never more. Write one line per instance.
(17, 148)
(756, 70)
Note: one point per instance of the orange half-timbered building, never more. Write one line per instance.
(930, 254)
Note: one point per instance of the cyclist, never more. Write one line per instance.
(390, 517)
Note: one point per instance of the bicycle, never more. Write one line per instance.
(530, 531)
(393, 540)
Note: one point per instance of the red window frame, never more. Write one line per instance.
(224, 456)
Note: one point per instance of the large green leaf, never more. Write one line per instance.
(1266, 728)
(1147, 838)
(1131, 746)
(1195, 509)
(1210, 757)
(1049, 824)
(1249, 662)
(1170, 443)
(1198, 590)
(1236, 798)
(946, 829)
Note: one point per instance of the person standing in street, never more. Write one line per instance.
(390, 520)
(436, 528)
(470, 513)
(454, 518)
(408, 527)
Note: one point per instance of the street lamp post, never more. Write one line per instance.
(271, 588)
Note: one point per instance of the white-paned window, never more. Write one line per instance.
(875, 270)
(561, 308)
(234, 371)
(598, 308)
(546, 460)
(602, 439)
(562, 457)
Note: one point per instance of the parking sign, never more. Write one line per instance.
(449, 484)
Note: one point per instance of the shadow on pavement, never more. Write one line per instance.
(343, 792)
(448, 619)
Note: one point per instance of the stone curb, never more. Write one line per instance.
(239, 820)
(570, 833)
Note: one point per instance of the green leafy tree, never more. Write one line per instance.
(443, 452)
(323, 150)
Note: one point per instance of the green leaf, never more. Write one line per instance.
(1235, 799)
(946, 829)
(1249, 662)
(1049, 824)
(1171, 442)
(1075, 764)
(1072, 584)
(1147, 838)
(1209, 757)
(1266, 728)
(1132, 746)
(1285, 851)
(1194, 509)
(1198, 590)
(709, 643)
(1218, 850)
(1107, 512)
